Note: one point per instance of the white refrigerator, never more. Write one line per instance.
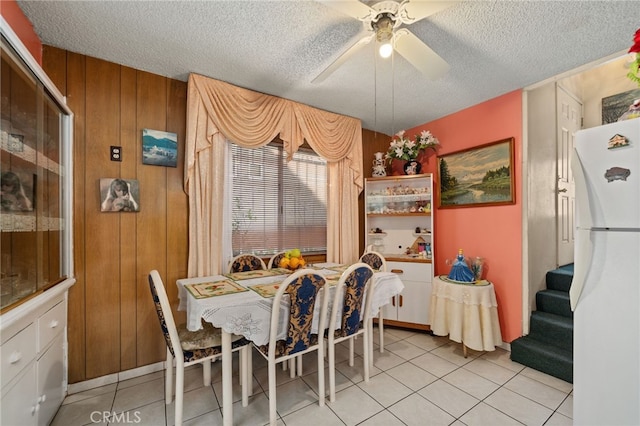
(605, 292)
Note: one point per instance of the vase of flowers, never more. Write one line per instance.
(403, 151)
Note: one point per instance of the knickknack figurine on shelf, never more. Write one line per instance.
(379, 169)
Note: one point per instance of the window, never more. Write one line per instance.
(278, 204)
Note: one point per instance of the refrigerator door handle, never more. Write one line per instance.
(583, 254)
(582, 209)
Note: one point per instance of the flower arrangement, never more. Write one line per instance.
(634, 73)
(402, 148)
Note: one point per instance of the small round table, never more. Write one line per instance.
(467, 312)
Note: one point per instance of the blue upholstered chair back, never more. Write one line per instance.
(303, 288)
(354, 282)
(246, 262)
(375, 260)
(160, 312)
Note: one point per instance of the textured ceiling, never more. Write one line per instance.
(278, 47)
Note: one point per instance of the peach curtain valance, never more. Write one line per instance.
(218, 111)
(253, 119)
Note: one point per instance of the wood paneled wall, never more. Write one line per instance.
(112, 322)
(113, 326)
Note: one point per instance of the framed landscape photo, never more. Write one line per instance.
(614, 106)
(478, 176)
(159, 148)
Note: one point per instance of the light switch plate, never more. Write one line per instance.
(116, 153)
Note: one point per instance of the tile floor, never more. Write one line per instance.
(418, 380)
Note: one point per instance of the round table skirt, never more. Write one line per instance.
(467, 321)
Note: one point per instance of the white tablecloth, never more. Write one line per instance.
(249, 314)
(467, 313)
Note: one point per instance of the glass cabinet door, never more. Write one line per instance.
(34, 135)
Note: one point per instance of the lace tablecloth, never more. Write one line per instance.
(467, 313)
(249, 314)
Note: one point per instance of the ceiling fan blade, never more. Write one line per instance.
(419, 54)
(415, 10)
(342, 58)
(352, 8)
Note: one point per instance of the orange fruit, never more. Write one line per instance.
(294, 262)
(302, 262)
(284, 262)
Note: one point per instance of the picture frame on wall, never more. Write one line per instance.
(613, 107)
(478, 176)
(119, 195)
(159, 148)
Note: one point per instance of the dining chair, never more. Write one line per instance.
(304, 289)
(352, 299)
(193, 347)
(377, 263)
(246, 262)
(275, 260)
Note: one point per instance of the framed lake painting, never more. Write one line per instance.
(159, 148)
(479, 176)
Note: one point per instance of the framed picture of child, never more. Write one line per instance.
(119, 195)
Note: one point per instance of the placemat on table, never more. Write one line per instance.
(238, 276)
(339, 268)
(332, 279)
(214, 288)
(266, 290)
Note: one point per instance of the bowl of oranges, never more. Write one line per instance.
(292, 260)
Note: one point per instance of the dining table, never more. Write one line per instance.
(240, 303)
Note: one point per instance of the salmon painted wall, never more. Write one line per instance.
(20, 25)
(494, 233)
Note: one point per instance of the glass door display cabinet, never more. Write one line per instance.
(399, 225)
(34, 135)
(36, 265)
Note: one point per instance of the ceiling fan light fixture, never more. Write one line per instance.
(384, 35)
(386, 49)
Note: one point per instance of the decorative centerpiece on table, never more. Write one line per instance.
(465, 269)
(407, 156)
(292, 260)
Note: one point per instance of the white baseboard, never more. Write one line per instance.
(114, 378)
(506, 346)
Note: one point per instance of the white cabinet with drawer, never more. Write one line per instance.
(33, 358)
(411, 307)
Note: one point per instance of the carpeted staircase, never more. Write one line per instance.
(549, 345)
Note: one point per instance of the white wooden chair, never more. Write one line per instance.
(188, 348)
(377, 263)
(304, 288)
(355, 290)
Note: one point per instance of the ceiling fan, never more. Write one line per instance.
(382, 21)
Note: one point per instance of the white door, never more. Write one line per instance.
(569, 111)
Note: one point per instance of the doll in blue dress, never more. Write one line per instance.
(460, 271)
